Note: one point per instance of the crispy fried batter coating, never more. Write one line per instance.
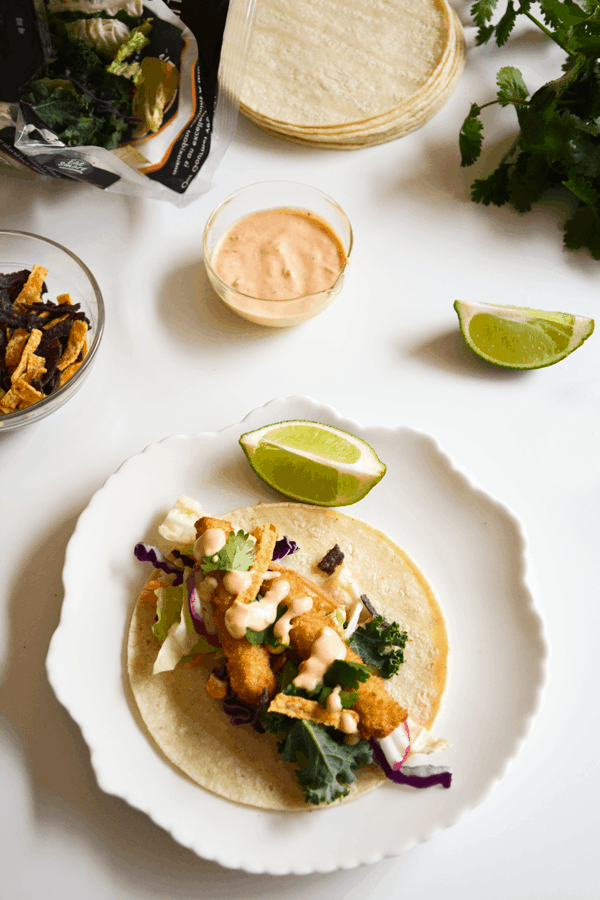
(248, 665)
(379, 714)
(206, 522)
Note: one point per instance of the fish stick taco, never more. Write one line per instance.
(287, 656)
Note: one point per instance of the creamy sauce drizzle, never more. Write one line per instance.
(326, 649)
(348, 723)
(279, 254)
(334, 704)
(258, 614)
(297, 607)
(209, 543)
(236, 582)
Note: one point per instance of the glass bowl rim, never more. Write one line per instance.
(41, 408)
(282, 182)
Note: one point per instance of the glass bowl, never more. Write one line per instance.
(290, 196)
(66, 275)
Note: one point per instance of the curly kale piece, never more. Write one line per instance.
(380, 644)
(78, 99)
(326, 764)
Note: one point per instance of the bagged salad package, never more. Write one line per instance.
(132, 96)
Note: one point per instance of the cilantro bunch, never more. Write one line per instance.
(559, 140)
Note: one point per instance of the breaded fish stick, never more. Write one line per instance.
(205, 522)
(379, 714)
(248, 665)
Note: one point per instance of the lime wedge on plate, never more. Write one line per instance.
(313, 463)
(520, 338)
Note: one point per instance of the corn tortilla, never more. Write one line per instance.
(191, 729)
(343, 75)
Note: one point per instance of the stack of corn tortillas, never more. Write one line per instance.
(343, 75)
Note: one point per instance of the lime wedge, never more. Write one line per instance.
(517, 337)
(313, 463)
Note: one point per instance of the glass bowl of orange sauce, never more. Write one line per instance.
(277, 252)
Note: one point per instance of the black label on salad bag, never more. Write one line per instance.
(21, 52)
(188, 152)
(12, 156)
(78, 169)
(206, 20)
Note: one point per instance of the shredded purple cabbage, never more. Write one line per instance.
(284, 547)
(184, 559)
(192, 593)
(149, 553)
(200, 625)
(240, 712)
(413, 776)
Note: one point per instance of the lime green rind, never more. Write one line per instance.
(532, 340)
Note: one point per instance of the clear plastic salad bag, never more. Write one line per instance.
(129, 98)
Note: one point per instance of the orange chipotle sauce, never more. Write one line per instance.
(279, 254)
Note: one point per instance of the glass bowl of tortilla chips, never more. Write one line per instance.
(51, 325)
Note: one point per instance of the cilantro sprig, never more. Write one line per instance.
(236, 555)
(558, 145)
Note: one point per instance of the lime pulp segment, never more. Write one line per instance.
(312, 462)
(519, 337)
(317, 440)
(303, 479)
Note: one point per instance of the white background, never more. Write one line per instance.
(388, 352)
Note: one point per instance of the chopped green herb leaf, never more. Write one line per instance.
(237, 555)
(558, 144)
(347, 698)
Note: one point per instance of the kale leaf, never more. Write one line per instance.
(237, 555)
(325, 764)
(77, 99)
(380, 644)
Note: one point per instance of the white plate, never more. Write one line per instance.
(469, 546)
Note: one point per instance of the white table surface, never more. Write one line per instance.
(388, 352)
